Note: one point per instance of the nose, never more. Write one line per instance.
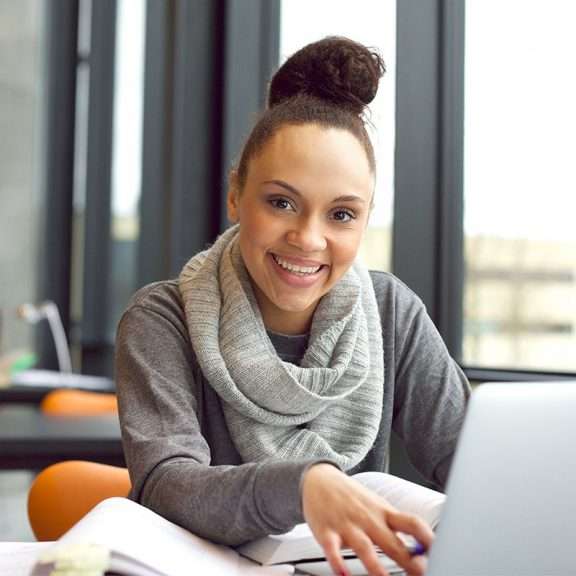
(308, 235)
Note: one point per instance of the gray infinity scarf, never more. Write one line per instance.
(329, 406)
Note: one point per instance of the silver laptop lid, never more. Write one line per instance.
(511, 505)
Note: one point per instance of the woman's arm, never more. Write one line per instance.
(431, 391)
(168, 458)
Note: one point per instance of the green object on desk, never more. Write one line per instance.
(13, 363)
(22, 362)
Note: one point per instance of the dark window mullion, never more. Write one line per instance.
(194, 196)
(96, 347)
(154, 233)
(428, 204)
(252, 47)
(58, 166)
(450, 272)
(415, 223)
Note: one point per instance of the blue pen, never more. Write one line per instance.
(418, 549)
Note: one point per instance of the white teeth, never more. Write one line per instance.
(301, 270)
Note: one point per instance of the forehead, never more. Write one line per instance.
(309, 156)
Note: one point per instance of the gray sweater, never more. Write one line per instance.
(182, 461)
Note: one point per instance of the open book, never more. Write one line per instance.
(299, 546)
(125, 538)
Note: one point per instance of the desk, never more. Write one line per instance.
(34, 394)
(23, 394)
(30, 440)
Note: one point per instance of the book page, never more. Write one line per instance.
(18, 558)
(405, 496)
(299, 543)
(354, 567)
(148, 543)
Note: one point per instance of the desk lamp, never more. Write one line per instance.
(64, 378)
(49, 311)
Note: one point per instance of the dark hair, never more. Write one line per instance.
(328, 83)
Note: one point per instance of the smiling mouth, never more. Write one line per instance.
(294, 269)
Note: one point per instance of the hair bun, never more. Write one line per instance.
(335, 69)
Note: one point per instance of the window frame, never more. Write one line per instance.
(427, 250)
(428, 224)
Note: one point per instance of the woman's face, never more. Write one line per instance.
(302, 213)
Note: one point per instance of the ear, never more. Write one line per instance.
(233, 196)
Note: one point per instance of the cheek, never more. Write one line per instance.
(345, 251)
(250, 226)
(255, 237)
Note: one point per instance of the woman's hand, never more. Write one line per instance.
(344, 514)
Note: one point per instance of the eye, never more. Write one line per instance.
(281, 203)
(343, 215)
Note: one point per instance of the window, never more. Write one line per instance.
(519, 182)
(21, 197)
(372, 23)
(127, 153)
(109, 98)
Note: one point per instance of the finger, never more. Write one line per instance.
(394, 548)
(420, 564)
(410, 524)
(366, 552)
(331, 544)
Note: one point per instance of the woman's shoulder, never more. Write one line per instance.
(398, 305)
(387, 286)
(157, 299)
(155, 294)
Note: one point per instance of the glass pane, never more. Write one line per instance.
(373, 23)
(520, 124)
(21, 85)
(127, 152)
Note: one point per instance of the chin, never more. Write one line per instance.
(296, 305)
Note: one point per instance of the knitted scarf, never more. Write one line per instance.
(329, 406)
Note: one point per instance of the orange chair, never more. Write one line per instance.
(63, 493)
(78, 403)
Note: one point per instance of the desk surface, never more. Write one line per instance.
(30, 440)
(16, 394)
(23, 394)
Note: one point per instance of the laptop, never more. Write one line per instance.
(511, 494)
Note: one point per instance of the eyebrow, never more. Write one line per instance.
(295, 191)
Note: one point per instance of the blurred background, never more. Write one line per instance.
(119, 120)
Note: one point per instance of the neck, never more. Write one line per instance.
(283, 321)
(289, 323)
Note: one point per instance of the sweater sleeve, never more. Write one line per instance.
(431, 391)
(168, 458)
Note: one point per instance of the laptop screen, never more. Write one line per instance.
(511, 493)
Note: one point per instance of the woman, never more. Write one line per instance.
(275, 365)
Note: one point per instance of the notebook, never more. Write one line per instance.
(511, 495)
